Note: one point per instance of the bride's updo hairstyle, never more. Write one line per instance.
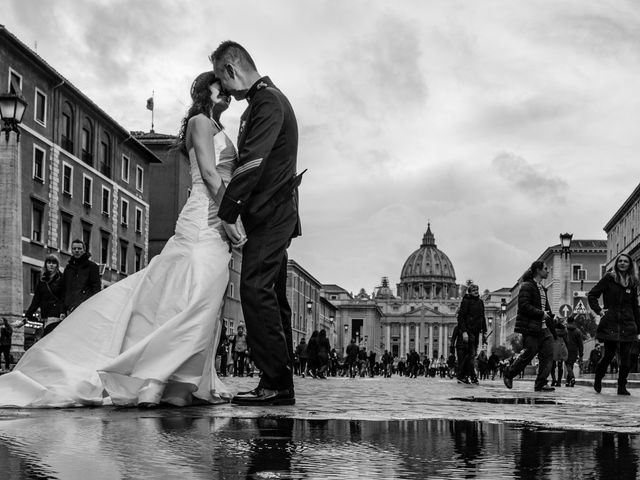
(200, 103)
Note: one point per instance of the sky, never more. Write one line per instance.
(502, 123)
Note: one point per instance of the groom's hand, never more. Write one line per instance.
(236, 236)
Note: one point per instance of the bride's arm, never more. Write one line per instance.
(201, 133)
(200, 130)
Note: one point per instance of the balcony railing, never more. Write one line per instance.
(87, 157)
(67, 144)
(105, 169)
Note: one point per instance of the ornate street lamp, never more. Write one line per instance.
(309, 306)
(565, 243)
(332, 319)
(12, 108)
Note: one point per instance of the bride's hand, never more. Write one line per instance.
(236, 235)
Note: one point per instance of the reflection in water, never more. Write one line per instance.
(187, 444)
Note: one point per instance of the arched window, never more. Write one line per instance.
(67, 127)
(105, 154)
(87, 141)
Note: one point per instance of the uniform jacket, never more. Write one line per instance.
(267, 156)
(81, 281)
(49, 297)
(471, 317)
(531, 311)
(621, 322)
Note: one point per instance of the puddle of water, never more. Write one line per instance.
(175, 445)
(510, 400)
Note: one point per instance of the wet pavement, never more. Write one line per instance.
(339, 429)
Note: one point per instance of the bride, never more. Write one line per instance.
(151, 337)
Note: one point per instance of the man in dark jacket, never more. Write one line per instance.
(535, 322)
(352, 357)
(263, 189)
(471, 323)
(6, 332)
(81, 277)
(575, 348)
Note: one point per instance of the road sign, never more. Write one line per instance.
(580, 305)
(565, 310)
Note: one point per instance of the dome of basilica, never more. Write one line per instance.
(427, 273)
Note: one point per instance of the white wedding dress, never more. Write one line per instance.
(149, 338)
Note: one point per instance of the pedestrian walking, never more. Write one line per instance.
(594, 357)
(301, 352)
(535, 322)
(352, 357)
(324, 347)
(239, 346)
(6, 332)
(560, 353)
(619, 318)
(575, 349)
(471, 324)
(483, 365)
(223, 349)
(493, 363)
(312, 355)
(48, 296)
(81, 277)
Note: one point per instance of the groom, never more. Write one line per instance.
(263, 189)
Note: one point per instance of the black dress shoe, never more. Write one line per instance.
(508, 382)
(265, 397)
(623, 390)
(597, 385)
(544, 388)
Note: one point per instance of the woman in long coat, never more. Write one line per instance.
(620, 318)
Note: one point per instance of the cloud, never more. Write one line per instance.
(533, 180)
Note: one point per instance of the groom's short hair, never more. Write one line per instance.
(230, 51)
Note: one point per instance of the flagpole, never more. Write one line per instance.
(153, 92)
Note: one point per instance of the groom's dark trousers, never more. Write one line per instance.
(263, 189)
(266, 309)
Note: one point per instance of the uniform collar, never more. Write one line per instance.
(260, 84)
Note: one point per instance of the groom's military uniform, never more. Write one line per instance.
(263, 189)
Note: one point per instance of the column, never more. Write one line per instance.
(430, 347)
(407, 337)
(445, 339)
(401, 351)
(11, 237)
(440, 332)
(418, 337)
(388, 344)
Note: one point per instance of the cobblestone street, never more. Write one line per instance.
(421, 398)
(340, 428)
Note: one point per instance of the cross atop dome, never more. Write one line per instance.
(428, 238)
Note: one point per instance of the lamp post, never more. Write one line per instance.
(565, 243)
(309, 309)
(12, 108)
(346, 337)
(332, 329)
(503, 321)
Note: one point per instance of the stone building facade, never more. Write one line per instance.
(421, 315)
(623, 230)
(82, 174)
